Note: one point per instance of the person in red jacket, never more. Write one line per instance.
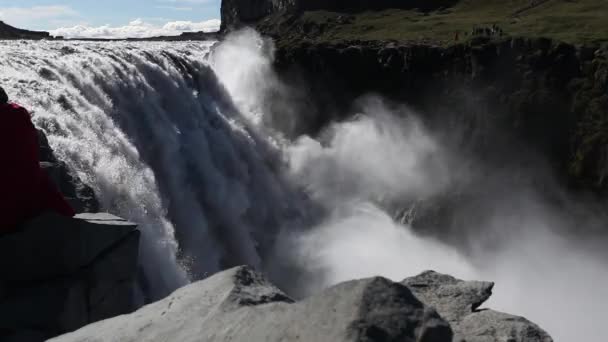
(25, 189)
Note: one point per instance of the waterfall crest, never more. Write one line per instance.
(151, 129)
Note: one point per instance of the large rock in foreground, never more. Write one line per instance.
(458, 301)
(241, 305)
(59, 274)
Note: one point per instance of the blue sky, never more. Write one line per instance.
(57, 14)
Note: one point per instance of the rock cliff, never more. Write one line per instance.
(533, 106)
(548, 97)
(9, 32)
(241, 305)
(58, 274)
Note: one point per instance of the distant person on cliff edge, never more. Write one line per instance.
(25, 189)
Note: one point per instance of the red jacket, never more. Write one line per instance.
(25, 189)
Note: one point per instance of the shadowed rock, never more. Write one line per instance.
(58, 274)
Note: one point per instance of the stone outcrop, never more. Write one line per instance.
(241, 305)
(9, 32)
(58, 274)
(458, 301)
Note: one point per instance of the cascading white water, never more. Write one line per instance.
(152, 131)
(172, 136)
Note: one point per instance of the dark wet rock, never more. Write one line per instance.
(458, 302)
(59, 274)
(80, 196)
(68, 50)
(241, 305)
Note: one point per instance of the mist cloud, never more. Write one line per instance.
(517, 238)
(380, 156)
(536, 250)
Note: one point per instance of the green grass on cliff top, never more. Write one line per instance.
(573, 21)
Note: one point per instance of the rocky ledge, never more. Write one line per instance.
(59, 274)
(241, 305)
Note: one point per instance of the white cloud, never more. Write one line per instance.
(137, 29)
(31, 16)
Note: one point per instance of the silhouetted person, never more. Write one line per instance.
(25, 189)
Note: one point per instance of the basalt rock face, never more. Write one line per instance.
(504, 96)
(80, 196)
(241, 305)
(458, 301)
(59, 274)
(532, 112)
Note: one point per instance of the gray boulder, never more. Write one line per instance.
(59, 274)
(490, 325)
(458, 301)
(241, 305)
(454, 299)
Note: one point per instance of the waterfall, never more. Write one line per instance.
(150, 128)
